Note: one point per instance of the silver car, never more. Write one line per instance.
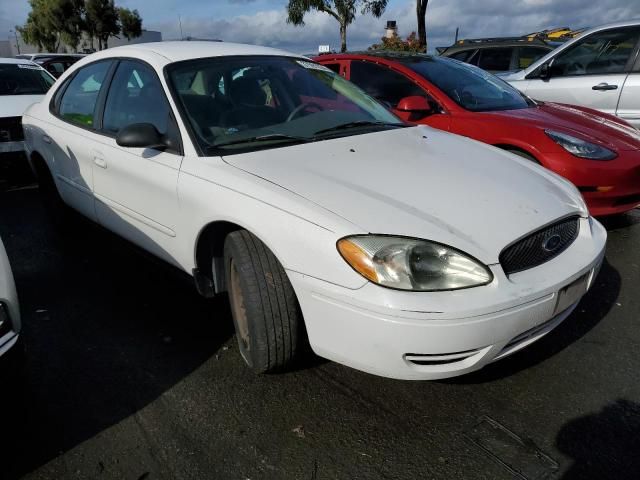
(9, 311)
(599, 69)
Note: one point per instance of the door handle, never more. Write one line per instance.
(46, 138)
(604, 86)
(100, 162)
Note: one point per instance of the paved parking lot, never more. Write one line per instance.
(130, 375)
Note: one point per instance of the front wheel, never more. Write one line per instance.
(266, 314)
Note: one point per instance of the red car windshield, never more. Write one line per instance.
(470, 87)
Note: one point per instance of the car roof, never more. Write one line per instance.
(38, 55)
(499, 43)
(175, 51)
(17, 61)
(390, 54)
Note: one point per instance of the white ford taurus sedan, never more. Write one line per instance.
(402, 251)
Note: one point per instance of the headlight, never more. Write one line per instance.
(412, 264)
(581, 148)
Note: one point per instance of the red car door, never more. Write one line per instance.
(389, 86)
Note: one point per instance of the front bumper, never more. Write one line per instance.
(432, 335)
(622, 174)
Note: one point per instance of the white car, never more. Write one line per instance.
(599, 69)
(22, 83)
(9, 310)
(401, 251)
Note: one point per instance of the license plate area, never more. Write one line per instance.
(570, 294)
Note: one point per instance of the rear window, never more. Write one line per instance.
(23, 79)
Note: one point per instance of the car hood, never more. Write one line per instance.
(16, 105)
(581, 122)
(423, 183)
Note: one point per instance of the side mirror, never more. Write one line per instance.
(545, 71)
(413, 108)
(141, 135)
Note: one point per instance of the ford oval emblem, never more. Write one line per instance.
(552, 243)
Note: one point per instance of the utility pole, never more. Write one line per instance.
(17, 42)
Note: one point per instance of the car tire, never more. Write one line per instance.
(524, 155)
(265, 310)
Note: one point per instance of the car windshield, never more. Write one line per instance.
(470, 87)
(239, 104)
(23, 79)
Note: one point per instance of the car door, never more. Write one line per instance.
(135, 188)
(629, 103)
(389, 87)
(591, 72)
(71, 137)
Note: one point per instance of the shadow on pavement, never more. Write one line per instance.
(603, 445)
(622, 221)
(106, 330)
(594, 306)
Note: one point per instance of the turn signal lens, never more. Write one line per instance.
(358, 259)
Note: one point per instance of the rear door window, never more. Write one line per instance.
(495, 59)
(78, 103)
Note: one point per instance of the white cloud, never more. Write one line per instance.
(475, 19)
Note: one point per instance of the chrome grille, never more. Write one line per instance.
(540, 246)
(11, 129)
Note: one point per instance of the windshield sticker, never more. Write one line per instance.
(30, 67)
(313, 66)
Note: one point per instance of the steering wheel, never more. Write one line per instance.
(301, 108)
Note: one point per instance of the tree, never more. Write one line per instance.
(35, 33)
(101, 21)
(51, 22)
(396, 44)
(421, 12)
(69, 17)
(344, 11)
(44, 26)
(130, 23)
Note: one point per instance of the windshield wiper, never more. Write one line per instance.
(279, 137)
(359, 123)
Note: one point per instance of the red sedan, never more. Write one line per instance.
(599, 153)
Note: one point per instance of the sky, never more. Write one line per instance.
(263, 22)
